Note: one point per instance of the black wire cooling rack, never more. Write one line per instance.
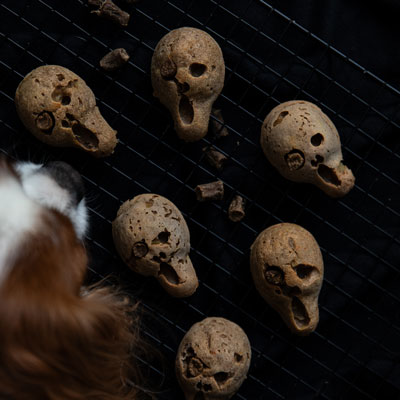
(354, 353)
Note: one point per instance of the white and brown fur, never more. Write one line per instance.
(57, 341)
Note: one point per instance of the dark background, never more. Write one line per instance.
(342, 55)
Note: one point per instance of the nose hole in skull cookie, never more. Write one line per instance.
(290, 290)
(294, 159)
(282, 115)
(207, 387)
(300, 314)
(186, 111)
(45, 122)
(85, 137)
(221, 377)
(182, 87)
(305, 271)
(65, 100)
(238, 357)
(328, 175)
(274, 275)
(317, 139)
(197, 69)
(318, 160)
(168, 273)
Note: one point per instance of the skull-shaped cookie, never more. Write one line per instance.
(59, 108)
(212, 360)
(151, 236)
(302, 143)
(187, 72)
(287, 268)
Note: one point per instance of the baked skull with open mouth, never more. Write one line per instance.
(187, 73)
(287, 269)
(212, 360)
(59, 108)
(303, 144)
(151, 236)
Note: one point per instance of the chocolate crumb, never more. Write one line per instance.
(214, 157)
(210, 191)
(108, 10)
(236, 209)
(114, 59)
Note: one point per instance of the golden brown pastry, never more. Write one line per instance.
(287, 269)
(187, 72)
(59, 108)
(303, 144)
(151, 236)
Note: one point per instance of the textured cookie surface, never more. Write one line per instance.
(151, 236)
(213, 359)
(187, 72)
(287, 268)
(57, 107)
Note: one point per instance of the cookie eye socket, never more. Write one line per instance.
(317, 139)
(197, 69)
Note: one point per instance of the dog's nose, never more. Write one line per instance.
(66, 177)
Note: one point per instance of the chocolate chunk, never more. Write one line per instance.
(108, 10)
(210, 191)
(236, 209)
(114, 59)
(214, 157)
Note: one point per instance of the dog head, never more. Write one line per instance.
(56, 341)
(43, 218)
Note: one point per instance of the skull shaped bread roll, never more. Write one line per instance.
(287, 268)
(212, 360)
(302, 143)
(187, 72)
(151, 236)
(59, 108)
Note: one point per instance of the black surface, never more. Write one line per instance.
(270, 58)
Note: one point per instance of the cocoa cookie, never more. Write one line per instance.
(303, 144)
(151, 236)
(59, 108)
(287, 269)
(213, 359)
(187, 73)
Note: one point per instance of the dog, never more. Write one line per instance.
(58, 340)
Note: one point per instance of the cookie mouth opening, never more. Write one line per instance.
(329, 175)
(186, 111)
(85, 136)
(300, 314)
(169, 274)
